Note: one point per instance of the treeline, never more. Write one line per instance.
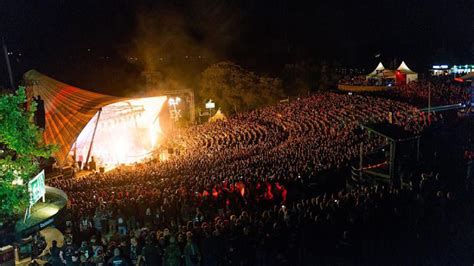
(235, 89)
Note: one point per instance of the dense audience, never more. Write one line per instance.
(362, 80)
(237, 194)
(441, 91)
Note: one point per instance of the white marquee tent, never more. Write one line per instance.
(411, 75)
(377, 71)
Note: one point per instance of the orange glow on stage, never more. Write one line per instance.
(127, 132)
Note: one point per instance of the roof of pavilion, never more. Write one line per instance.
(68, 109)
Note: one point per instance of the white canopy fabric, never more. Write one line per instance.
(379, 69)
(218, 116)
(411, 75)
(405, 69)
(127, 127)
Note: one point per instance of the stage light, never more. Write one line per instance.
(126, 137)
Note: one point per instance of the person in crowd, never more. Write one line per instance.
(151, 254)
(97, 221)
(38, 245)
(133, 251)
(191, 252)
(172, 254)
(69, 253)
(112, 221)
(122, 225)
(98, 259)
(85, 253)
(54, 251)
(117, 259)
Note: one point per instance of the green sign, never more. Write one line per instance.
(36, 187)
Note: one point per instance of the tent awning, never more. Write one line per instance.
(68, 109)
(377, 70)
(218, 116)
(405, 69)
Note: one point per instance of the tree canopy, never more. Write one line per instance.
(303, 78)
(235, 89)
(21, 147)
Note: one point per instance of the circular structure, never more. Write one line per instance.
(42, 215)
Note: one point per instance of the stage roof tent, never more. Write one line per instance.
(68, 109)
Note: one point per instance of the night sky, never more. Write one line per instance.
(104, 45)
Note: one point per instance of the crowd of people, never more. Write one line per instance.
(237, 194)
(362, 80)
(441, 91)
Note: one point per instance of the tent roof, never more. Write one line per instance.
(405, 69)
(218, 116)
(68, 109)
(377, 70)
(468, 76)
